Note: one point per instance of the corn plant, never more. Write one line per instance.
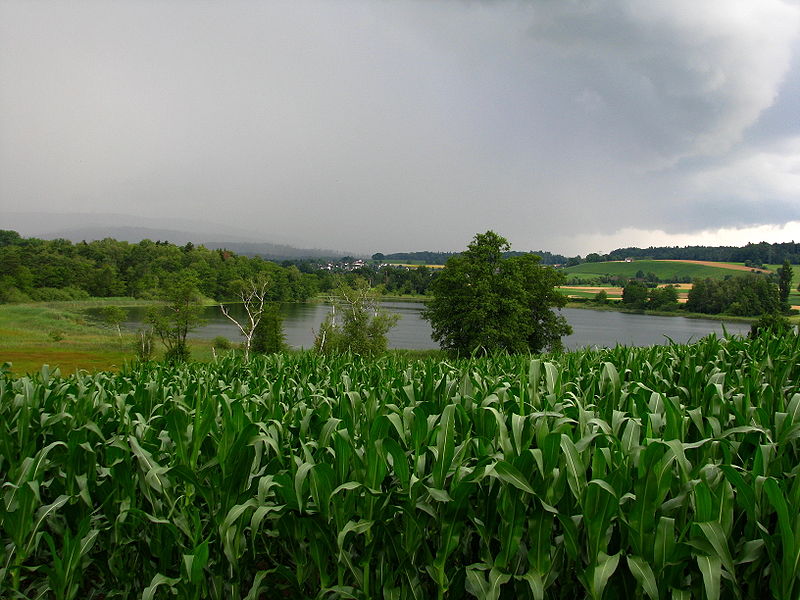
(663, 472)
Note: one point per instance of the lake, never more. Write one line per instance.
(591, 328)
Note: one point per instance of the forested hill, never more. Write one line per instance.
(35, 269)
(440, 258)
(761, 253)
(268, 250)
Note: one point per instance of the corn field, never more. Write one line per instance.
(662, 472)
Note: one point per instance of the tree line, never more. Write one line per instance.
(752, 254)
(441, 258)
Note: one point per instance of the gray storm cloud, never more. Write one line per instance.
(373, 125)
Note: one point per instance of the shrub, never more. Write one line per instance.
(65, 294)
(771, 323)
(221, 343)
(11, 294)
(355, 324)
(177, 353)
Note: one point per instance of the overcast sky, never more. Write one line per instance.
(377, 125)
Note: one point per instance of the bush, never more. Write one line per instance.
(356, 324)
(55, 335)
(772, 323)
(11, 295)
(221, 343)
(65, 294)
(177, 354)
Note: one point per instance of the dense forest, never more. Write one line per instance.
(34, 269)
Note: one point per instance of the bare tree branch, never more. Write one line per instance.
(253, 295)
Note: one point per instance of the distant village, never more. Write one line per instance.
(344, 265)
(353, 264)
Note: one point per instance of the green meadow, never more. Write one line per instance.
(60, 335)
(664, 270)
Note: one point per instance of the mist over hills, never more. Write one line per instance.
(89, 227)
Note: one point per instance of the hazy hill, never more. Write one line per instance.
(89, 227)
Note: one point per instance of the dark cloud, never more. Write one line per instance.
(396, 125)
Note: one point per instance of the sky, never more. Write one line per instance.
(376, 125)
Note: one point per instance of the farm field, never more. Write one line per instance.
(663, 269)
(414, 265)
(667, 269)
(711, 263)
(661, 472)
(586, 291)
(615, 292)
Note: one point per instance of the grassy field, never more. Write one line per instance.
(663, 472)
(662, 269)
(58, 334)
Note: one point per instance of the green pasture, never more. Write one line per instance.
(662, 269)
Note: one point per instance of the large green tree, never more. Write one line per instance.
(482, 301)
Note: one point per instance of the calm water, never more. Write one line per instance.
(591, 328)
